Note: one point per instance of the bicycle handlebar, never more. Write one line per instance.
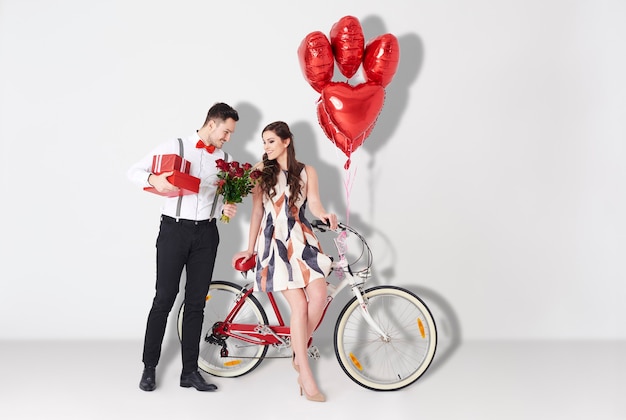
(323, 226)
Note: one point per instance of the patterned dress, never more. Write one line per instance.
(289, 254)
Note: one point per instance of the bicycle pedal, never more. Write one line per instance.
(314, 353)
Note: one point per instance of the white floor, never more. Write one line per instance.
(471, 380)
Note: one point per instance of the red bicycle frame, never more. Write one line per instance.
(257, 334)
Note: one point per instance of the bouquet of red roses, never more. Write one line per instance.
(235, 181)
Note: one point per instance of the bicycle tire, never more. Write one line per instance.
(242, 357)
(397, 363)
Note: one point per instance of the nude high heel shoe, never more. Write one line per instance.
(319, 397)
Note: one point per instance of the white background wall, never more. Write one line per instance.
(494, 181)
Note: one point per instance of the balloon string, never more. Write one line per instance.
(348, 184)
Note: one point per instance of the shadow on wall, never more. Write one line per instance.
(449, 334)
(329, 176)
(248, 131)
(397, 92)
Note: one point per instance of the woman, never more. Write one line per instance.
(289, 256)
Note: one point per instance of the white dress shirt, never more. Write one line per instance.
(193, 206)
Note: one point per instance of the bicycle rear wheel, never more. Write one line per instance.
(243, 357)
(393, 364)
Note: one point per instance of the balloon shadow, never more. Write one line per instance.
(397, 96)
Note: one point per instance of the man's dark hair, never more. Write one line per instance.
(221, 111)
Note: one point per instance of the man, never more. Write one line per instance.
(188, 237)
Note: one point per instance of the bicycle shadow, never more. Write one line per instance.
(448, 325)
(449, 332)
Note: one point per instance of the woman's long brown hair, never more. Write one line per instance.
(271, 167)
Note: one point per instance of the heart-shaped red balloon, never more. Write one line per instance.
(348, 45)
(337, 137)
(316, 60)
(348, 113)
(381, 58)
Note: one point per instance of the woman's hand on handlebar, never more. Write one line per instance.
(330, 219)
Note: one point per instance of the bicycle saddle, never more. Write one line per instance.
(247, 266)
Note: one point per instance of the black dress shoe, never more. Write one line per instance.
(194, 379)
(148, 379)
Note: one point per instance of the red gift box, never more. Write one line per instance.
(171, 162)
(188, 185)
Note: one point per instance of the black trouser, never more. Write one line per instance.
(179, 244)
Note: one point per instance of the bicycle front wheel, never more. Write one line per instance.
(392, 363)
(227, 356)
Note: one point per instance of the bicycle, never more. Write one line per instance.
(385, 337)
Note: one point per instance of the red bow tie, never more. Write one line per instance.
(200, 145)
